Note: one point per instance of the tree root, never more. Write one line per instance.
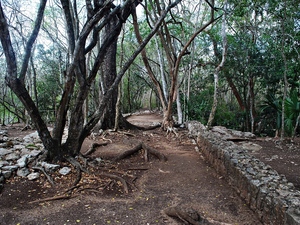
(147, 149)
(78, 168)
(187, 216)
(93, 148)
(171, 130)
(123, 181)
(190, 216)
(49, 178)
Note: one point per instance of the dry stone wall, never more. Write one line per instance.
(268, 193)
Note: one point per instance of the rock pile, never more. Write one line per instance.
(19, 156)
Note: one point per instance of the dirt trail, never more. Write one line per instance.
(184, 179)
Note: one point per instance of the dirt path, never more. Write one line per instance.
(184, 179)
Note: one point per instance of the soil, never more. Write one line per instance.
(185, 179)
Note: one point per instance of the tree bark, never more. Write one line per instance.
(109, 73)
(217, 71)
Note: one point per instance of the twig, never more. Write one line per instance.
(53, 198)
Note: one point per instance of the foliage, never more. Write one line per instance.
(271, 108)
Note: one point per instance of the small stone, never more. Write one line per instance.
(10, 168)
(50, 167)
(4, 132)
(19, 147)
(35, 153)
(25, 151)
(22, 162)
(3, 163)
(22, 172)
(2, 179)
(65, 170)
(4, 151)
(12, 156)
(33, 176)
(6, 174)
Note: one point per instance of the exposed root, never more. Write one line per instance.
(93, 148)
(147, 149)
(78, 168)
(190, 216)
(129, 152)
(154, 152)
(49, 178)
(171, 130)
(187, 216)
(125, 187)
(126, 133)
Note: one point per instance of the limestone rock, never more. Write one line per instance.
(65, 170)
(10, 168)
(22, 162)
(6, 174)
(12, 156)
(23, 172)
(4, 151)
(33, 176)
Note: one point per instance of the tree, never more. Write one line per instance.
(174, 49)
(82, 39)
(218, 69)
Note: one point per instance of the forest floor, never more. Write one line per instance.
(152, 185)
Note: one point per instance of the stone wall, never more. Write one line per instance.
(269, 194)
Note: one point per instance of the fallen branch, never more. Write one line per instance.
(53, 198)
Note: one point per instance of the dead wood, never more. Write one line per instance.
(140, 146)
(69, 190)
(190, 216)
(53, 198)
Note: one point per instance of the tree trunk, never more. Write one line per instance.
(179, 109)
(109, 70)
(285, 87)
